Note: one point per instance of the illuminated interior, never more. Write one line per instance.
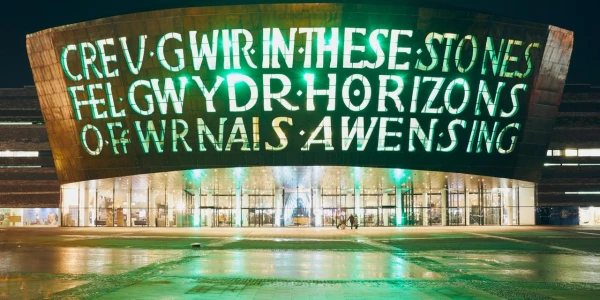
(297, 196)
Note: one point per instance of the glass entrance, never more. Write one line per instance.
(259, 217)
(224, 215)
(456, 208)
(336, 209)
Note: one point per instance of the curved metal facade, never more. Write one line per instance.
(300, 85)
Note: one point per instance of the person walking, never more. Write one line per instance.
(342, 222)
(351, 219)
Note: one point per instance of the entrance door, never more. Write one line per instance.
(223, 217)
(371, 217)
(261, 217)
(388, 216)
(329, 217)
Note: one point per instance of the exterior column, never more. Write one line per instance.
(318, 208)
(278, 207)
(399, 208)
(129, 196)
(210, 201)
(467, 208)
(197, 208)
(245, 203)
(170, 208)
(512, 205)
(357, 211)
(444, 193)
(238, 207)
(526, 206)
(85, 203)
(424, 207)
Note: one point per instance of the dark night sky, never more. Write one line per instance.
(20, 17)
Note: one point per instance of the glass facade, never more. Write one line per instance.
(29, 217)
(144, 201)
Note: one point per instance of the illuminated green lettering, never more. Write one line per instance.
(203, 130)
(325, 125)
(179, 136)
(283, 140)
(208, 94)
(466, 96)
(235, 37)
(513, 139)
(238, 127)
(453, 136)
(87, 62)
(151, 135)
(514, 97)
(105, 59)
(459, 50)
(111, 102)
(99, 141)
(346, 92)
(509, 58)
(493, 56)
(431, 50)
(394, 95)
(415, 94)
(205, 50)
(160, 52)
(383, 133)
(416, 129)
(485, 135)
(169, 93)
(76, 103)
(358, 131)
(94, 102)
(232, 80)
(427, 109)
(311, 92)
(484, 94)
(349, 48)
(374, 42)
(134, 69)
(269, 95)
(472, 136)
(147, 97)
(116, 141)
(64, 64)
(528, 58)
(278, 45)
(449, 38)
(394, 49)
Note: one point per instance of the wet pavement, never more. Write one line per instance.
(291, 265)
(301, 263)
(76, 261)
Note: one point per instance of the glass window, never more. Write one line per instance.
(388, 200)
(139, 207)
(370, 200)
(556, 153)
(549, 153)
(571, 152)
(328, 201)
(589, 152)
(121, 208)
(9, 153)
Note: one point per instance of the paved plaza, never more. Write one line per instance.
(300, 263)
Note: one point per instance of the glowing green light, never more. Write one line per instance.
(357, 174)
(397, 174)
(183, 80)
